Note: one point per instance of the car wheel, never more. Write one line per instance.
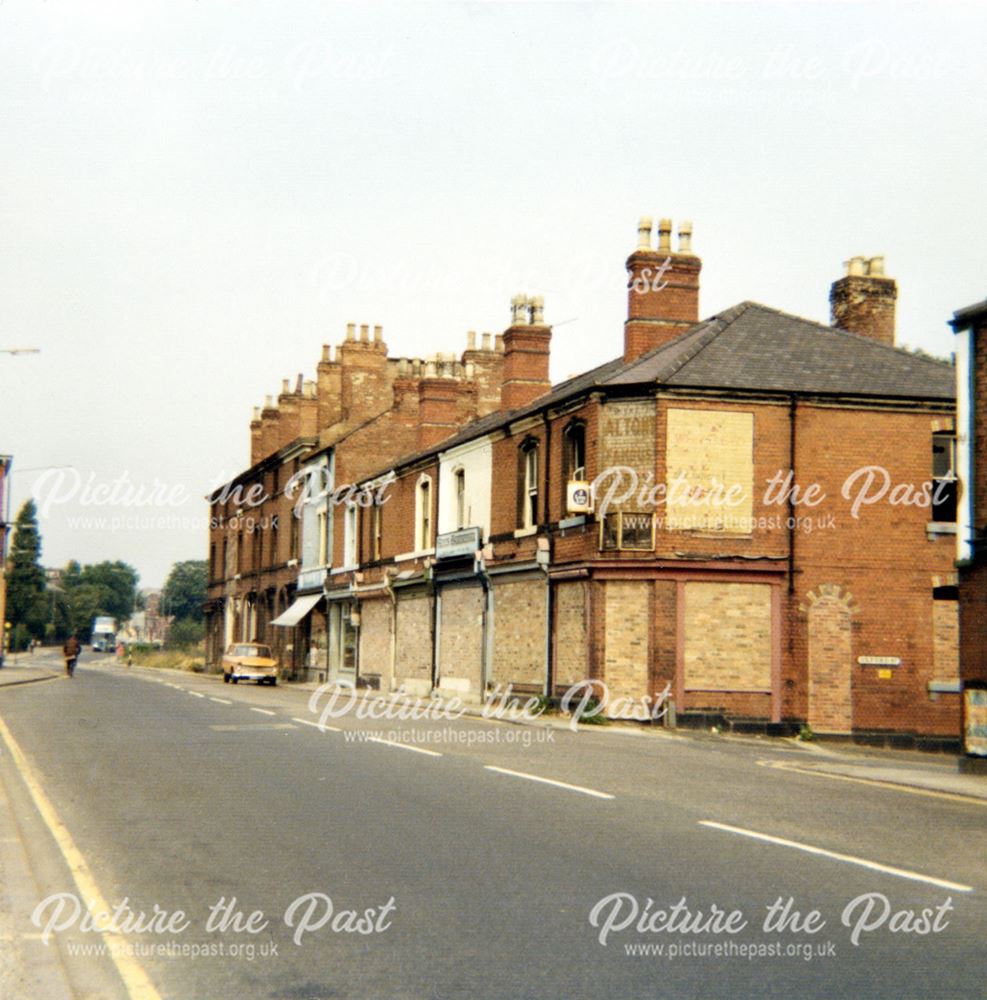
(234, 679)
(226, 678)
(274, 682)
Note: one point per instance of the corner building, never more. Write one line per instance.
(833, 604)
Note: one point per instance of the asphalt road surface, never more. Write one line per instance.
(453, 872)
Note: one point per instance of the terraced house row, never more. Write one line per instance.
(753, 512)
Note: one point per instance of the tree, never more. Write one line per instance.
(117, 586)
(106, 588)
(27, 605)
(186, 633)
(185, 590)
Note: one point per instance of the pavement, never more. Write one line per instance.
(497, 843)
(26, 668)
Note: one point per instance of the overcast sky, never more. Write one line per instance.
(196, 196)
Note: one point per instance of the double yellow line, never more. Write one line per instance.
(135, 979)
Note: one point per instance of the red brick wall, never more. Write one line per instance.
(883, 558)
(661, 303)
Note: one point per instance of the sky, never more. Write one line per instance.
(195, 196)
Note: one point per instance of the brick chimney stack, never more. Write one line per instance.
(269, 437)
(485, 366)
(662, 288)
(289, 411)
(438, 403)
(863, 300)
(255, 437)
(365, 387)
(526, 353)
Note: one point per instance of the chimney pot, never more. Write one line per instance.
(256, 413)
(875, 267)
(519, 310)
(378, 334)
(471, 340)
(537, 310)
(268, 403)
(285, 384)
(326, 352)
(364, 332)
(685, 237)
(665, 236)
(430, 371)
(351, 331)
(856, 266)
(485, 343)
(644, 233)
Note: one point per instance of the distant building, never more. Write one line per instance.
(147, 626)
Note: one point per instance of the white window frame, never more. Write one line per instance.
(423, 514)
(351, 525)
(462, 510)
(324, 536)
(530, 505)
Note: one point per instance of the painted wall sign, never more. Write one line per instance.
(879, 661)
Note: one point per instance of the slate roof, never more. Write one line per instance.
(750, 347)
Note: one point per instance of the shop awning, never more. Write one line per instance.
(302, 606)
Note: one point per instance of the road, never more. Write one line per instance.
(473, 878)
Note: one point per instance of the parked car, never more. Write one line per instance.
(250, 661)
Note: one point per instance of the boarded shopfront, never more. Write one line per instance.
(520, 630)
(460, 635)
(413, 655)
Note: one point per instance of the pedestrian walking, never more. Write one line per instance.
(71, 653)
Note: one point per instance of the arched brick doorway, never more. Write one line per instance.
(830, 612)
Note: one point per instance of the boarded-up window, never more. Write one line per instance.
(728, 636)
(945, 634)
(710, 471)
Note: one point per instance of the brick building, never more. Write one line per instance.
(763, 543)
(970, 326)
(273, 529)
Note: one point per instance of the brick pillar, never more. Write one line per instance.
(863, 300)
(526, 354)
(662, 289)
